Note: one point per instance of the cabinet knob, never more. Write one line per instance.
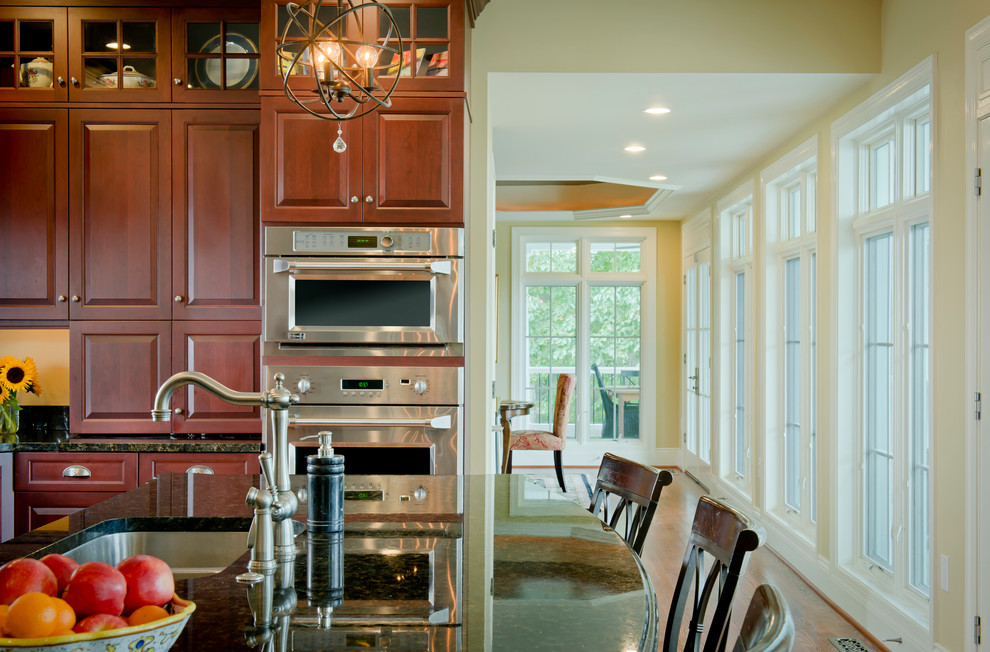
(354, 199)
(177, 81)
(368, 199)
(61, 80)
(200, 468)
(74, 81)
(76, 471)
(177, 410)
(178, 298)
(75, 298)
(61, 298)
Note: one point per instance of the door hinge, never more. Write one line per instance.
(493, 239)
(685, 438)
(978, 405)
(977, 630)
(493, 389)
(684, 279)
(978, 182)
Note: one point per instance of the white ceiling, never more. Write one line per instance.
(548, 126)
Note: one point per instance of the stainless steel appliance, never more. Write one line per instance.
(384, 419)
(394, 289)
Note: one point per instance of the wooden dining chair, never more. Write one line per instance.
(722, 537)
(634, 489)
(543, 440)
(767, 626)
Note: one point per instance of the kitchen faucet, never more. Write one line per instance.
(278, 510)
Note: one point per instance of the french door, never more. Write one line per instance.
(697, 309)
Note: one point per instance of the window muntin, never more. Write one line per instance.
(919, 481)
(551, 257)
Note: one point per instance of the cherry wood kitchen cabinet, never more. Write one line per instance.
(216, 225)
(116, 369)
(403, 165)
(49, 486)
(33, 54)
(119, 214)
(228, 351)
(152, 464)
(34, 224)
(215, 56)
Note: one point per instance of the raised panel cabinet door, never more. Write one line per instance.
(150, 465)
(115, 370)
(120, 214)
(414, 162)
(216, 228)
(230, 353)
(34, 218)
(302, 178)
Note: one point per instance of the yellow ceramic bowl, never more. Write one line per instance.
(157, 635)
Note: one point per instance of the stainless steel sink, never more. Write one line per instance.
(190, 554)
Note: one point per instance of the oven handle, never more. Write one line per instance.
(435, 267)
(439, 423)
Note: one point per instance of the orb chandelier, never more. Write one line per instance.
(343, 57)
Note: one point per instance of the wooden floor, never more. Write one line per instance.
(816, 620)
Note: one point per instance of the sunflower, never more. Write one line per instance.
(18, 376)
(4, 394)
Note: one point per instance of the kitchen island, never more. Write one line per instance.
(429, 563)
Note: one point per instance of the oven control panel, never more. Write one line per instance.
(364, 241)
(317, 385)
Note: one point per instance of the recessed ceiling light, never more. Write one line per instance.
(657, 110)
(624, 217)
(113, 46)
(658, 177)
(635, 148)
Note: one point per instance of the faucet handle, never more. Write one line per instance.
(266, 470)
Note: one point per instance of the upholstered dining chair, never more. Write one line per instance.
(543, 440)
(767, 626)
(631, 491)
(721, 536)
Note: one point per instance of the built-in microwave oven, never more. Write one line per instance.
(363, 286)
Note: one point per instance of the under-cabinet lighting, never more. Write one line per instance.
(658, 177)
(657, 110)
(635, 148)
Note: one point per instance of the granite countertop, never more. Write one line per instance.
(135, 445)
(555, 574)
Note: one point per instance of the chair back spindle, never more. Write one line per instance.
(635, 489)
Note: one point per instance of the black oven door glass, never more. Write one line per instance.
(363, 303)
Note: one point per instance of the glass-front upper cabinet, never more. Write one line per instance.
(215, 55)
(119, 54)
(32, 54)
(432, 34)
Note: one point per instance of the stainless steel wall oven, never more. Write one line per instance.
(397, 289)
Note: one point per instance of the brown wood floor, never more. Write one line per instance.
(815, 619)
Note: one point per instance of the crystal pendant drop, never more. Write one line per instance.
(339, 145)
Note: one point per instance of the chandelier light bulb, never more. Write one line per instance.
(367, 56)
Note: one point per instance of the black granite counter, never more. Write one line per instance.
(142, 445)
(428, 563)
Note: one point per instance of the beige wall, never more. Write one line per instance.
(716, 36)
(668, 303)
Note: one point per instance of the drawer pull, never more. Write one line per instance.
(200, 468)
(76, 471)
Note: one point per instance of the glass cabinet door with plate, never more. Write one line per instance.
(432, 34)
(119, 54)
(215, 55)
(32, 54)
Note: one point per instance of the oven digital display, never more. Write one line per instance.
(362, 242)
(352, 383)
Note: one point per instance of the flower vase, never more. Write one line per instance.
(9, 421)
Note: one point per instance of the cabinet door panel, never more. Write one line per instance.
(217, 230)
(414, 162)
(120, 223)
(37, 508)
(115, 369)
(34, 224)
(39, 48)
(206, 70)
(75, 471)
(152, 464)
(229, 352)
(303, 178)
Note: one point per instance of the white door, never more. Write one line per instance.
(697, 307)
(983, 479)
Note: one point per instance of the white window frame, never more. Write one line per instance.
(797, 169)
(896, 108)
(734, 230)
(582, 449)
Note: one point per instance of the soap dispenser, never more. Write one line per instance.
(325, 484)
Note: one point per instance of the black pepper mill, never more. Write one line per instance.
(325, 483)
